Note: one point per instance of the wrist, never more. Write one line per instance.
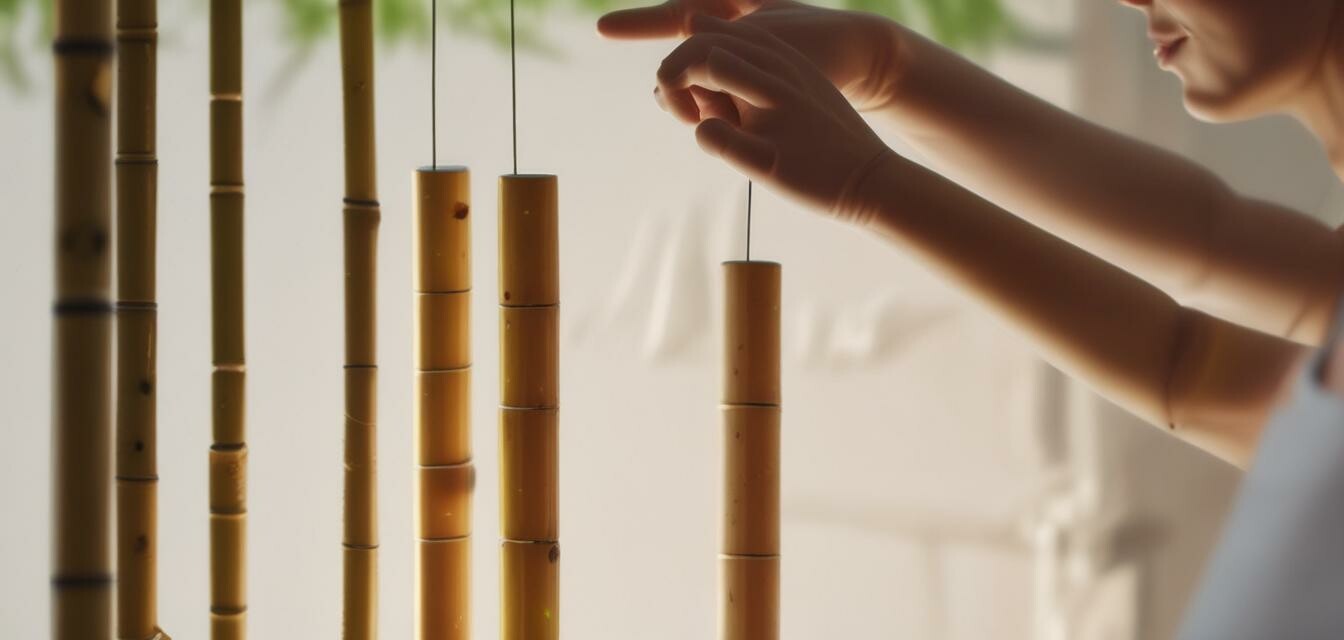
(885, 81)
(861, 198)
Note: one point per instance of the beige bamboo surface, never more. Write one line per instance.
(750, 547)
(446, 475)
(529, 299)
(228, 453)
(361, 215)
(137, 318)
(81, 417)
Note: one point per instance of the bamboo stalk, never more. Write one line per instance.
(749, 560)
(529, 299)
(361, 213)
(81, 421)
(228, 452)
(137, 318)
(446, 475)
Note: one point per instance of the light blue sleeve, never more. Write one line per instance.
(1278, 571)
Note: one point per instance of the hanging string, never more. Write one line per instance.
(748, 221)
(433, 83)
(513, 80)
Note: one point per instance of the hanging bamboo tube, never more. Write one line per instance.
(361, 212)
(81, 421)
(136, 312)
(446, 475)
(749, 560)
(228, 453)
(529, 299)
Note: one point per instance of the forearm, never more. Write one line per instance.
(1151, 212)
(1132, 342)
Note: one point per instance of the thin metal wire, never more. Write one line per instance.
(433, 83)
(513, 80)
(748, 221)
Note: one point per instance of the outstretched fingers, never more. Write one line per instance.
(670, 19)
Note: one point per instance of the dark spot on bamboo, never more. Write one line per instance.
(145, 387)
(737, 435)
(507, 295)
(460, 210)
(98, 240)
(139, 446)
(141, 543)
(555, 553)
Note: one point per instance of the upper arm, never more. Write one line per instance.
(1224, 381)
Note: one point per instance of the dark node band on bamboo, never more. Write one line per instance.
(83, 47)
(81, 306)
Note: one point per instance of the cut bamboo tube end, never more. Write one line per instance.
(228, 578)
(529, 356)
(751, 480)
(749, 601)
(530, 598)
(361, 593)
(443, 568)
(227, 626)
(443, 330)
(445, 501)
(137, 515)
(751, 333)
(529, 477)
(443, 416)
(228, 387)
(529, 227)
(442, 229)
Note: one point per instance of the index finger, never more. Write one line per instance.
(670, 19)
(666, 20)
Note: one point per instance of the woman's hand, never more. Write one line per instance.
(856, 51)
(767, 110)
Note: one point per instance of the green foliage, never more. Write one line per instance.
(961, 24)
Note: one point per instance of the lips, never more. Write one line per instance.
(1168, 48)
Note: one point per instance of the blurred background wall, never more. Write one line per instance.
(940, 482)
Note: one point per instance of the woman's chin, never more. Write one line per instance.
(1218, 107)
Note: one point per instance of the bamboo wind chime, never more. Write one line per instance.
(228, 454)
(529, 319)
(361, 212)
(137, 314)
(82, 578)
(446, 475)
(749, 560)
